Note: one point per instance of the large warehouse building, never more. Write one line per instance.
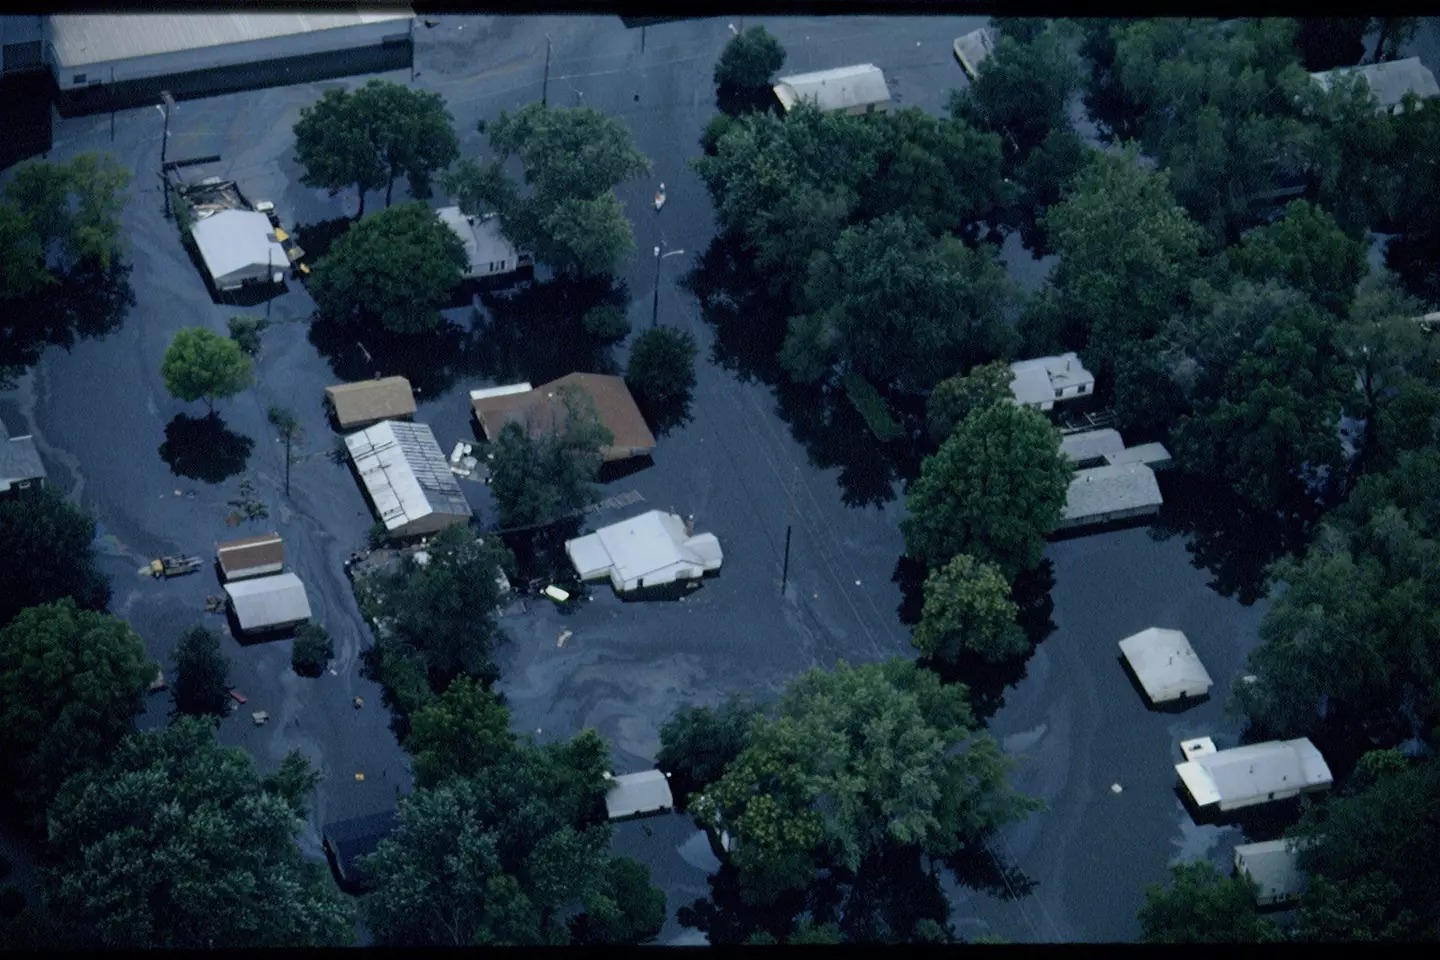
(105, 61)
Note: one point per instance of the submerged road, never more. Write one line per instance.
(101, 411)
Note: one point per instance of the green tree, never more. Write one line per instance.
(462, 733)
(968, 607)
(1022, 92)
(22, 265)
(202, 672)
(537, 479)
(1367, 853)
(312, 650)
(955, 398)
(956, 300)
(71, 683)
(1198, 905)
(370, 136)
(625, 908)
(1044, 178)
(994, 490)
(176, 843)
(201, 365)
(439, 615)
(747, 66)
(662, 367)
(606, 322)
(50, 555)
(698, 743)
(72, 211)
(245, 331)
(573, 159)
(856, 762)
(397, 267)
(1305, 250)
(945, 173)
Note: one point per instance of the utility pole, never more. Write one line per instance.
(545, 89)
(785, 570)
(655, 311)
(270, 279)
(165, 144)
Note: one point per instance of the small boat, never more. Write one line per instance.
(660, 197)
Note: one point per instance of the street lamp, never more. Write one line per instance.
(165, 143)
(655, 310)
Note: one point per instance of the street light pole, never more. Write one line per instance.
(545, 89)
(165, 144)
(270, 280)
(655, 311)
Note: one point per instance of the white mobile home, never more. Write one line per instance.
(1254, 774)
(1166, 665)
(651, 550)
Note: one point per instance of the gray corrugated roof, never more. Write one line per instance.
(1110, 489)
(406, 473)
(85, 39)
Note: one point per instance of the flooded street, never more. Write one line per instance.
(101, 414)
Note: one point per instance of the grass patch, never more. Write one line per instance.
(872, 407)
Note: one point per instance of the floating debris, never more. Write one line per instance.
(1116, 788)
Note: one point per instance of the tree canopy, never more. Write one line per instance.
(1307, 251)
(538, 479)
(662, 367)
(1198, 905)
(955, 398)
(994, 490)
(175, 842)
(202, 365)
(370, 136)
(968, 607)
(746, 69)
(398, 267)
(698, 743)
(459, 734)
(1022, 91)
(56, 216)
(50, 554)
(71, 683)
(574, 157)
(201, 674)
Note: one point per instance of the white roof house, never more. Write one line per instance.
(1043, 381)
(1258, 773)
(857, 89)
(632, 794)
(1166, 665)
(239, 247)
(488, 253)
(972, 49)
(1103, 494)
(1274, 866)
(650, 550)
(408, 478)
(1091, 445)
(269, 603)
(1389, 81)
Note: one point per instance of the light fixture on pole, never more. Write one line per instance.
(655, 309)
(165, 143)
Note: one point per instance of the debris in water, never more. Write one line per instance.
(1116, 788)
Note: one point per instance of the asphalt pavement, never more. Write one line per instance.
(100, 413)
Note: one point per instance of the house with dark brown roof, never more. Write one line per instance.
(359, 405)
(542, 410)
(251, 557)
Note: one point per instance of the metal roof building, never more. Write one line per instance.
(1103, 494)
(634, 794)
(972, 50)
(1274, 866)
(1166, 665)
(488, 252)
(1389, 81)
(269, 603)
(857, 89)
(20, 464)
(408, 478)
(133, 55)
(358, 405)
(1258, 773)
(650, 550)
(251, 557)
(1043, 381)
(239, 247)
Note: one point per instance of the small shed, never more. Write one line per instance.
(269, 603)
(650, 550)
(1166, 665)
(638, 794)
(854, 90)
(239, 248)
(973, 49)
(359, 405)
(1254, 774)
(1274, 866)
(251, 557)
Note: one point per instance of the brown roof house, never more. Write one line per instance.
(358, 405)
(251, 557)
(542, 410)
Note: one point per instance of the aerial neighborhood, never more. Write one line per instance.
(950, 480)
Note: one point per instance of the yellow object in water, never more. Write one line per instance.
(281, 235)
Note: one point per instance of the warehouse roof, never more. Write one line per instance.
(1110, 489)
(633, 793)
(406, 473)
(1165, 663)
(269, 601)
(838, 89)
(1091, 445)
(649, 546)
(84, 39)
(236, 556)
(1390, 81)
(1257, 770)
(1275, 868)
(542, 410)
(234, 240)
(371, 400)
